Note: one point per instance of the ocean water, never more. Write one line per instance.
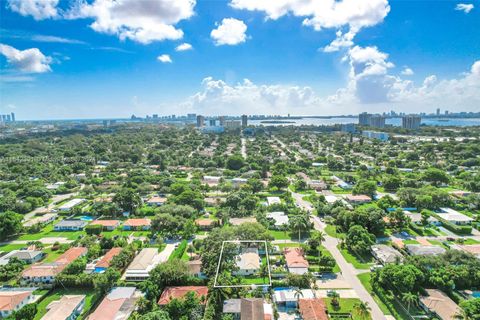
(459, 122)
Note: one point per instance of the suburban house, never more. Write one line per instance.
(211, 180)
(54, 186)
(118, 304)
(27, 256)
(273, 200)
(41, 220)
(421, 250)
(385, 254)
(439, 303)
(417, 218)
(453, 216)
(69, 307)
(171, 293)
(100, 265)
(248, 309)
(44, 273)
(239, 221)
(205, 223)
(137, 224)
(317, 185)
(471, 248)
(142, 264)
(312, 309)
(13, 299)
(289, 297)
(108, 225)
(70, 204)
(156, 201)
(280, 219)
(248, 262)
(237, 182)
(195, 268)
(70, 225)
(358, 199)
(296, 262)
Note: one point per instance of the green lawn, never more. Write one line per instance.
(254, 280)
(48, 232)
(51, 255)
(410, 241)
(332, 231)
(358, 262)
(282, 246)
(280, 235)
(346, 306)
(365, 280)
(90, 299)
(11, 247)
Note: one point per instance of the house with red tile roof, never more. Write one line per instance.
(358, 199)
(118, 304)
(100, 265)
(44, 273)
(312, 309)
(108, 225)
(171, 293)
(13, 299)
(137, 224)
(296, 262)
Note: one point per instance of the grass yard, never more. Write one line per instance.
(55, 295)
(254, 280)
(346, 306)
(11, 247)
(282, 246)
(358, 262)
(332, 231)
(365, 280)
(48, 232)
(280, 235)
(51, 255)
(410, 241)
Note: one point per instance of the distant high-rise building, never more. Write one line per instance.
(438, 111)
(411, 122)
(13, 117)
(348, 127)
(155, 116)
(377, 121)
(212, 122)
(222, 120)
(244, 120)
(364, 119)
(191, 116)
(446, 112)
(8, 118)
(200, 121)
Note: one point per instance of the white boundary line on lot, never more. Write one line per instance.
(244, 285)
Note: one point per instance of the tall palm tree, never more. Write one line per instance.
(409, 298)
(299, 223)
(318, 237)
(298, 293)
(335, 296)
(362, 309)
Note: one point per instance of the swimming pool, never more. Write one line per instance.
(86, 218)
(476, 294)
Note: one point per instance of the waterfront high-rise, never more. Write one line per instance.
(244, 120)
(200, 121)
(364, 119)
(411, 122)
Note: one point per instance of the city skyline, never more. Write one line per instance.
(92, 60)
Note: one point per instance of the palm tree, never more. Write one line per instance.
(264, 271)
(362, 309)
(299, 223)
(335, 296)
(317, 238)
(298, 293)
(409, 298)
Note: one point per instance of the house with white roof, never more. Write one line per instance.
(248, 262)
(453, 216)
(144, 262)
(70, 204)
(273, 200)
(289, 297)
(27, 256)
(280, 218)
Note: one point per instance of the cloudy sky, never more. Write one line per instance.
(105, 58)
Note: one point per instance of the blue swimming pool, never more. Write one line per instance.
(476, 294)
(86, 218)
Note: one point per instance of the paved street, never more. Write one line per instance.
(349, 273)
(305, 205)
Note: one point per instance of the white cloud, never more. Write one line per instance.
(218, 97)
(38, 9)
(407, 71)
(54, 39)
(324, 14)
(165, 58)
(229, 32)
(464, 7)
(184, 47)
(372, 86)
(28, 61)
(139, 21)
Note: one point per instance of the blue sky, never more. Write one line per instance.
(67, 59)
